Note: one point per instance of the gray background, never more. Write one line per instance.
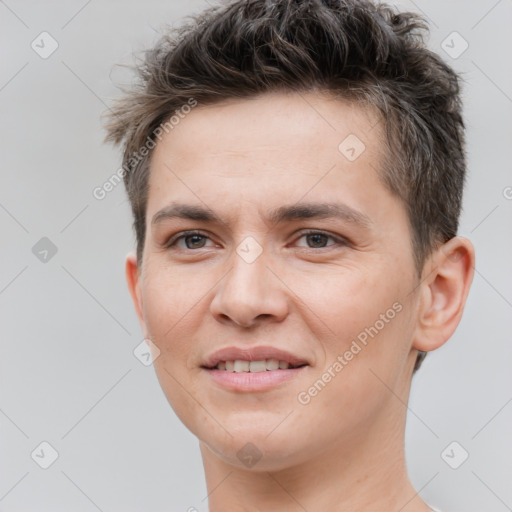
(68, 373)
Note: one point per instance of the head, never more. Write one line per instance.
(250, 115)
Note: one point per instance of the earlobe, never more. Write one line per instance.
(133, 280)
(443, 293)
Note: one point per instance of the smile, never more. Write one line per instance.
(264, 365)
(254, 368)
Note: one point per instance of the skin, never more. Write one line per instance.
(344, 450)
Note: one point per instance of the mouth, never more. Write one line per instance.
(253, 369)
(253, 359)
(246, 366)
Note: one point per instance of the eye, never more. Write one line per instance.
(192, 239)
(318, 239)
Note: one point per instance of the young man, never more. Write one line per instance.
(295, 170)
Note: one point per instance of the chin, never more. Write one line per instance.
(257, 455)
(264, 445)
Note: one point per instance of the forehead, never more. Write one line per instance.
(272, 148)
(251, 125)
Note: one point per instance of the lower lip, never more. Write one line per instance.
(257, 381)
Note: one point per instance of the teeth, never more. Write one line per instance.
(241, 366)
(257, 366)
(272, 364)
(252, 366)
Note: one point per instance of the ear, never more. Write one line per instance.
(443, 293)
(133, 279)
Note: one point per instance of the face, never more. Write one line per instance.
(243, 252)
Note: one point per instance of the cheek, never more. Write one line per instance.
(170, 294)
(173, 308)
(173, 304)
(360, 315)
(347, 299)
(362, 361)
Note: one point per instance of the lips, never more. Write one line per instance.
(256, 354)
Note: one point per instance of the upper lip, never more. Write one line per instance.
(258, 353)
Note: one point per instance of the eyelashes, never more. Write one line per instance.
(184, 236)
(316, 233)
(198, 237)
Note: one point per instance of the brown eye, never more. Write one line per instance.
(193, 240)
(319, 240)
(196, 241)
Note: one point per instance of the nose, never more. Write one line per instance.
(250, 293)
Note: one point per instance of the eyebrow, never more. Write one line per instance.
(281, 214)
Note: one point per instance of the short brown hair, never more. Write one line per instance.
(354, 49)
